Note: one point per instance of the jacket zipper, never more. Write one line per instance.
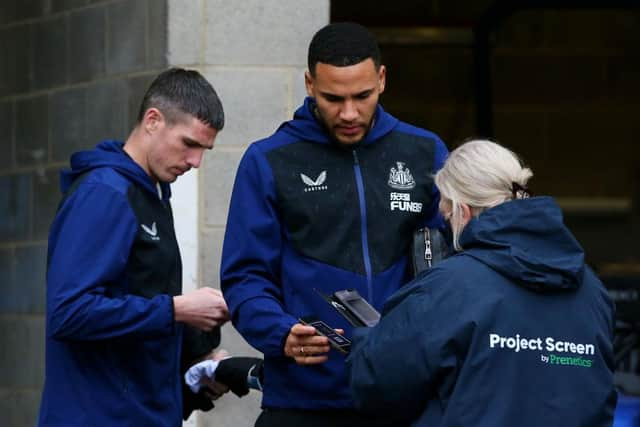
(363, 225)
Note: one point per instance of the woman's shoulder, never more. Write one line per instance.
(461, 277)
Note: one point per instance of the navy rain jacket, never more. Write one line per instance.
(514, 331)
(308, 214)
(112, 346)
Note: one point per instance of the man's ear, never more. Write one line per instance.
(308, 83)
(382, 78)
(152, 119)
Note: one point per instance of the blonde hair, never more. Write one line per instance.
(480, 174)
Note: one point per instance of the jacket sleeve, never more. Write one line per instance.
(398, 384)
(250, 267)
(89, 246)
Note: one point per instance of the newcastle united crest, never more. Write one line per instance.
(401, 178)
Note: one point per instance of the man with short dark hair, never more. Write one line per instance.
(115, 313)
(329, 202)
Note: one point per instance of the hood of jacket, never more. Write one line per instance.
(527, 241)
(112, 155)
(306, 126)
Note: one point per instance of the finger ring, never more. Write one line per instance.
(301, 349)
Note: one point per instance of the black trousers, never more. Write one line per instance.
(325, 418)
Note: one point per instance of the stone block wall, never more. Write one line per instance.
(71, 74)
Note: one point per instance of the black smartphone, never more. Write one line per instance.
(358, 306)
(336, 340)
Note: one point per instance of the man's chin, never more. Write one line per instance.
(349, 139)
(172, 175)
(168, 179)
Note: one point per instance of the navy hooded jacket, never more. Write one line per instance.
(307, 214)
(112, 347)
(514, 331)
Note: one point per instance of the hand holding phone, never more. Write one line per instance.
(305, 346)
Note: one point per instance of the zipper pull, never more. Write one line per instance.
(428, 255)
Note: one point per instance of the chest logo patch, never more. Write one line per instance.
(401, 178)
(314, 184)
(151, 231)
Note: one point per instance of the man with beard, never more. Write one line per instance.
(329, 202)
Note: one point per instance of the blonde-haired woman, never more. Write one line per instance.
(513, 330)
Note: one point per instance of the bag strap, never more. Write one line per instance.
(428, 247)
(428, 254)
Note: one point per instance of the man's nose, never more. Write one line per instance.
(349, 111)
(194, 158)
